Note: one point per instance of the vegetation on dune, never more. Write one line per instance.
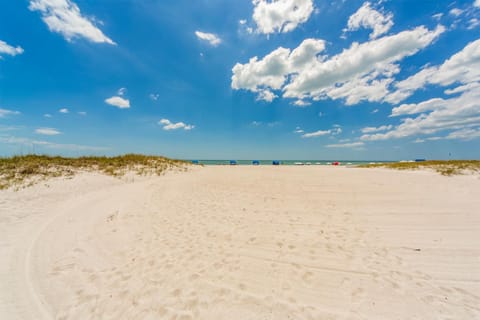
(446, 168)
(29, 169)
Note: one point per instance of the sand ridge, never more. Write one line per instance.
(244, 243)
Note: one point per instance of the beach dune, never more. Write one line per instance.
(243, 242)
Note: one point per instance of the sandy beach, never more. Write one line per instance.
(244, 242)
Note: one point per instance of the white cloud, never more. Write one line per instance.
(154, 96)
(47, 115)
(436, 115)
(271, 71)
(374, 111)
(373, 129)
(5, 48)
(5, 113)
(437, 16)
(477, 3)
(346, 145)
(413, 108)
(362, 72)
(118, 102)
(168, 125)
(462, 67)
(63, 110)
(301, 103)
(47, 131)
(464, 134)
(266, 95)
(242, 21)
(315, 134)
(64, 17)
(455, 12)
(335, 131)
(473, 23)
(367, 17)
(280, 15)
(122, 91)
(211, 38)
(298, 130)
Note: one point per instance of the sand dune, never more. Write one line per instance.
(243, 243)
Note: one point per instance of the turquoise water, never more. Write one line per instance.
(284, 162)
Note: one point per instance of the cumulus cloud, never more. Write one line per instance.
(301, 103)
(47, 131)
(464, 134)
(211, 38)
(361, 72)
(270, 73)
(266, 95)
(63, 110)
(369, 18)
(64, 17)
(118, 102)
(5, 113)
(280, 15)
(436, 115)
(5, 48)
(462, 68)
(346, 145)
(154, 96)
(477, 3)
(168, 125)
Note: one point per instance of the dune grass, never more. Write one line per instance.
(29, 169)
(446, 168)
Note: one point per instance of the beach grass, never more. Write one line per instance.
(29, 169)
(444, 167)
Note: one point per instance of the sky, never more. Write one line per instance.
(222, 79)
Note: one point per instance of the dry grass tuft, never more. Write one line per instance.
(21, 170)
(446, 168)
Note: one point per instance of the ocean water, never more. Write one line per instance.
(284, 162)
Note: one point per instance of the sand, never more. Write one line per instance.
(243, 243)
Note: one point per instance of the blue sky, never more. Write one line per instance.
(209, 79)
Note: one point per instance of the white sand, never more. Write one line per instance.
(243, 243)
